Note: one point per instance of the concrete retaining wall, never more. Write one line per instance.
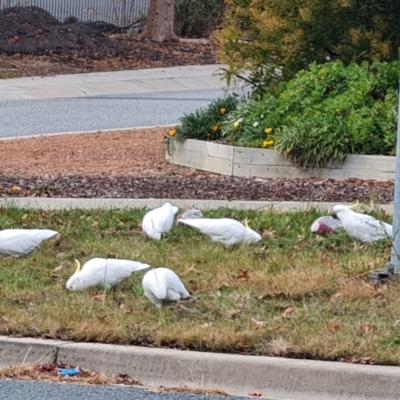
(264, 163)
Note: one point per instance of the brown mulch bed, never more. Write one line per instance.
(195, 187)
(131, 164)
(34, 43)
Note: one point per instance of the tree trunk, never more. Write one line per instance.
(160, 21)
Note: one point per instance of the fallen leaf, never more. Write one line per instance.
(287, 312)
(194, 286)
(232, 314)
(255, 324)
(366, 328)
(255, 393)
(59, 268)
(243, 276)
(333, 326)
(99, 297)
(207, 325)
(336, 297)
(266, 234)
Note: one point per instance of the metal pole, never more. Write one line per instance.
(391, 269)
(394, 260)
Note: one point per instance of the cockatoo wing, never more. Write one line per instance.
(225, 230)
(154, 284)
(23, 241)
(159, 221)
(366, 228)
(175, 286)
(109, 271)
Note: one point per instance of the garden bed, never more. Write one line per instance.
(265, 163)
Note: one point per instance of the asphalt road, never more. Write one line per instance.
(36, 390)
(32, 117)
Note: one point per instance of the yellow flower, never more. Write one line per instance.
(268, 130)
(215, 127)
(267, 143)
(237, 123)
(287, 151)
(14, 188)
(172, 132)
(222, 111)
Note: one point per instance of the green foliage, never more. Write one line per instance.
(197, 18)
(277, 38)
(323, 114)
(205, 123)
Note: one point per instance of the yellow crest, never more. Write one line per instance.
(78, 266)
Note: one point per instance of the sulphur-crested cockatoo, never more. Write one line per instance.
(20, 242)
(159, 221)
(103, 272)
(161, 284)
(224, 230)
(326, 224)
(190, 213)
(362, 227)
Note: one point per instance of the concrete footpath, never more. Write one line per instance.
(153, 80)
(98, 203)
(273, 377)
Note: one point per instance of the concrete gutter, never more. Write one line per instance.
(236, 374)
(196, 77)
(97, 203)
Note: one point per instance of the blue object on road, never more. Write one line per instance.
(68, 372)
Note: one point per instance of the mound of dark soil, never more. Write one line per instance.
(34, 31)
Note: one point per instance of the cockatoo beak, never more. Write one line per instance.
(78, 266)
(334, 215)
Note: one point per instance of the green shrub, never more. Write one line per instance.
(323, 114)
(205, 123)
(266, 35)
(197, 18)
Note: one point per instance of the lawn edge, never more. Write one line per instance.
(235, 374)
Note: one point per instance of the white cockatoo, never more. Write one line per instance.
(191, 213)
(20, 242)
(159, 221)
(224, 230)
(161, 284)
(103, 272)
(362, 227)
(326, 224)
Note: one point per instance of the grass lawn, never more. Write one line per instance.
(294, 294)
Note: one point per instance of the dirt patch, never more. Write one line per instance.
(32, 30)
(34, 43)
(132, 164)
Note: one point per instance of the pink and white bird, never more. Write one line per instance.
(326, 224)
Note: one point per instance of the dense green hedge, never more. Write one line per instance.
(315, 119)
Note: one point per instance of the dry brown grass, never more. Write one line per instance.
(292, 295)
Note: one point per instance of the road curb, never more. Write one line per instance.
(102, 203)
(236, 374)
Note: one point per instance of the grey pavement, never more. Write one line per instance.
(274, 377)
(96, 203)
(33, 117)
(198, 77)
(36, 390)
(104, 101)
